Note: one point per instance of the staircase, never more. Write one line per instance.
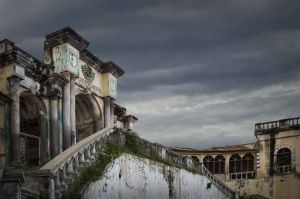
(60, 173)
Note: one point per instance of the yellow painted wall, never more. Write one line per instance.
(2, 138)
(286, 186)
(5, 72)
(96, 85)
(106, 85)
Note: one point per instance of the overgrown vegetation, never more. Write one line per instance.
(133, 145)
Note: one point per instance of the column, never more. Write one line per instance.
(107, 111)
(112, 111)
(60, 126)
(67, 114)
(15, 120)
(44, 146)
(72, 105)
(54, 145)
(227, 157)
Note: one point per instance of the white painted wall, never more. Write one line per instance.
(141, 178)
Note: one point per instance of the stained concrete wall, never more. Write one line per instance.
(134, 177)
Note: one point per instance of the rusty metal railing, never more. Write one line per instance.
(30, 149)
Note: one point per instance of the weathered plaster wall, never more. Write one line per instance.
(134, 177)
(286, 139)
(277, 187)
(261, 186)
(287, 186)
(5, 72)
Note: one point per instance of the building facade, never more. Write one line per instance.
(47, 106)
(270, 167)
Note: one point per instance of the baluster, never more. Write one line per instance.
(94, 148)
(81, 158)
(63, 176)
(70, 169)
(87, 153)
(57, 181)
(76, 164)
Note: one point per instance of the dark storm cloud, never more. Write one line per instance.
(209, 66)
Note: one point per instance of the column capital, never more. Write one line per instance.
(68, 75)
(58, 79)
(54, 91)
(109, 98)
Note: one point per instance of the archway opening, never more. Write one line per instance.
(88, 116)
(235, 165)
(284, 160)
(196, 160)
(219, 164)
(33, 126)
(208, 162)
(247, 162)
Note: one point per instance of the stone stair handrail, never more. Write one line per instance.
(218, 183)
(53, 165)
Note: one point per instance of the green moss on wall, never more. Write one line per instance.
(133, 145)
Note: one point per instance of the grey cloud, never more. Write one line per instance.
(182, 53)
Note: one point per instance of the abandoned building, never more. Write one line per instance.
(55, 114)
(269, 167)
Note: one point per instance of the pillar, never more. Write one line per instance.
(15, 120)
(67, 114)
(107, 111)
(43, 129)
(227, 157)
(60, 125)
(54, 128)
(72, 106)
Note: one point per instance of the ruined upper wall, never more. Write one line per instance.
(67, 51)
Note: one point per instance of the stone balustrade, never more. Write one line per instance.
(283, 169)
(279, 125)
(241, 175)
(66, 166)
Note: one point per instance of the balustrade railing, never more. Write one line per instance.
(218, 183)
(242, 175)
(283, 169)
(280, 124)
(67, 164)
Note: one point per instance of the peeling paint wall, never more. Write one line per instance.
(134, 177)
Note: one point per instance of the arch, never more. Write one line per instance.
(235, 163)
(284, 160)
(219, 164)
(208, 162)
(88, 116)
(247, 162)
(33, 129)
(196, 160)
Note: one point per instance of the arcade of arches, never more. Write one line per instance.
(34, 126)
(236, 163)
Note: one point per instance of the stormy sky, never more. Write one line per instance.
(198, 73)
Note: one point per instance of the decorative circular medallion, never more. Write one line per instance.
(88, 73)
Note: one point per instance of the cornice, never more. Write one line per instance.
(114, 69)
(66, 35)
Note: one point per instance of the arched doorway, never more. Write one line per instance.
(33, 130)
(284, 160)
(88, 116)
